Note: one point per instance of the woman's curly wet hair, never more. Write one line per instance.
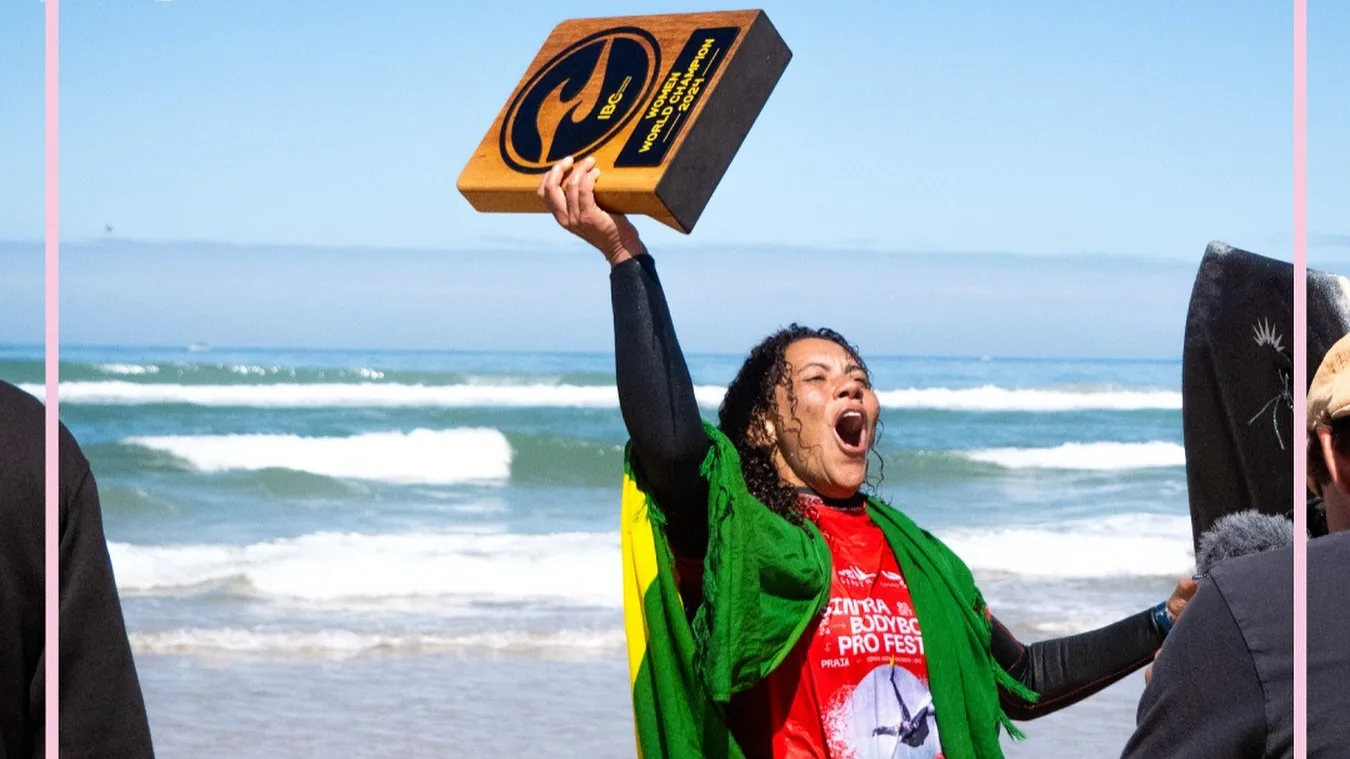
(750, 398)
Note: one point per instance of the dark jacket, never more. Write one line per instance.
(1223, 685)
(102, 711)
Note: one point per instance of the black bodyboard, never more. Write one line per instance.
(1237, 380)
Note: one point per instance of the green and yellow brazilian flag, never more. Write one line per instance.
(673, 716)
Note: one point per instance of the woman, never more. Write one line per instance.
(828, 624)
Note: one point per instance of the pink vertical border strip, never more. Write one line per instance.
(1300, 375)
(52, 584)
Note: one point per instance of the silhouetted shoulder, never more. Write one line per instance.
(23, 460)
(22, 517)
(102, 709)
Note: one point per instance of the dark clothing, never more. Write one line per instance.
(1328, 656)
(102, 711)
(1067, 670)
(1223, 685)
(656, 397)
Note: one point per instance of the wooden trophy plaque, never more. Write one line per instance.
(661, 102)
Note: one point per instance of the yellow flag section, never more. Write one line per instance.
(672, 715)
(639, 573)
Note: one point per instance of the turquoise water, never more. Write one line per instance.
(345, 514)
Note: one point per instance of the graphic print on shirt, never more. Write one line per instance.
(889, 713)
(856, 686)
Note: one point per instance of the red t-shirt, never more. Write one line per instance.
(856, 685)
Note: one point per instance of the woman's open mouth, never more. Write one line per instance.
(851, 429)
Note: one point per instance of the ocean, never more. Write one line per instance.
(405, 554)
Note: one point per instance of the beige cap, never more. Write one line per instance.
(1329, 395)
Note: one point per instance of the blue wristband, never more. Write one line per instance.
(1161, 618)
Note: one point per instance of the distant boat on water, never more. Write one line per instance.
(199, 348)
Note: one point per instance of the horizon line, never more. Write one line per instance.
(564, 243)
(546, 352)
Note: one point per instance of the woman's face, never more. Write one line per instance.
(823, 439)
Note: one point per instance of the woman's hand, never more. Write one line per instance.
(568, 192)
(1181, 596)
(1176, 604)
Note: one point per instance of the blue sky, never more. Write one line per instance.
(1078, 131)
(1329, 136)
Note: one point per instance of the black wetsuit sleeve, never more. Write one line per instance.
(1067, 670)
(656, 398)
(1205, 699)
(102, 709)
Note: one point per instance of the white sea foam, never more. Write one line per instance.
(1086, 456)
(337, 395)
(345, 643)
(538, 394)
(1140, 545)
(572, 569)
(128, 369)
(991, 398)
(448, 572)
(254, 370)
(420, 456)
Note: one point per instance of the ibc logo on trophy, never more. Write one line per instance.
(579, 99)
(662, 128)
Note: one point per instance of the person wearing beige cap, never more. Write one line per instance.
(1329, 435)
(1329, 556)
